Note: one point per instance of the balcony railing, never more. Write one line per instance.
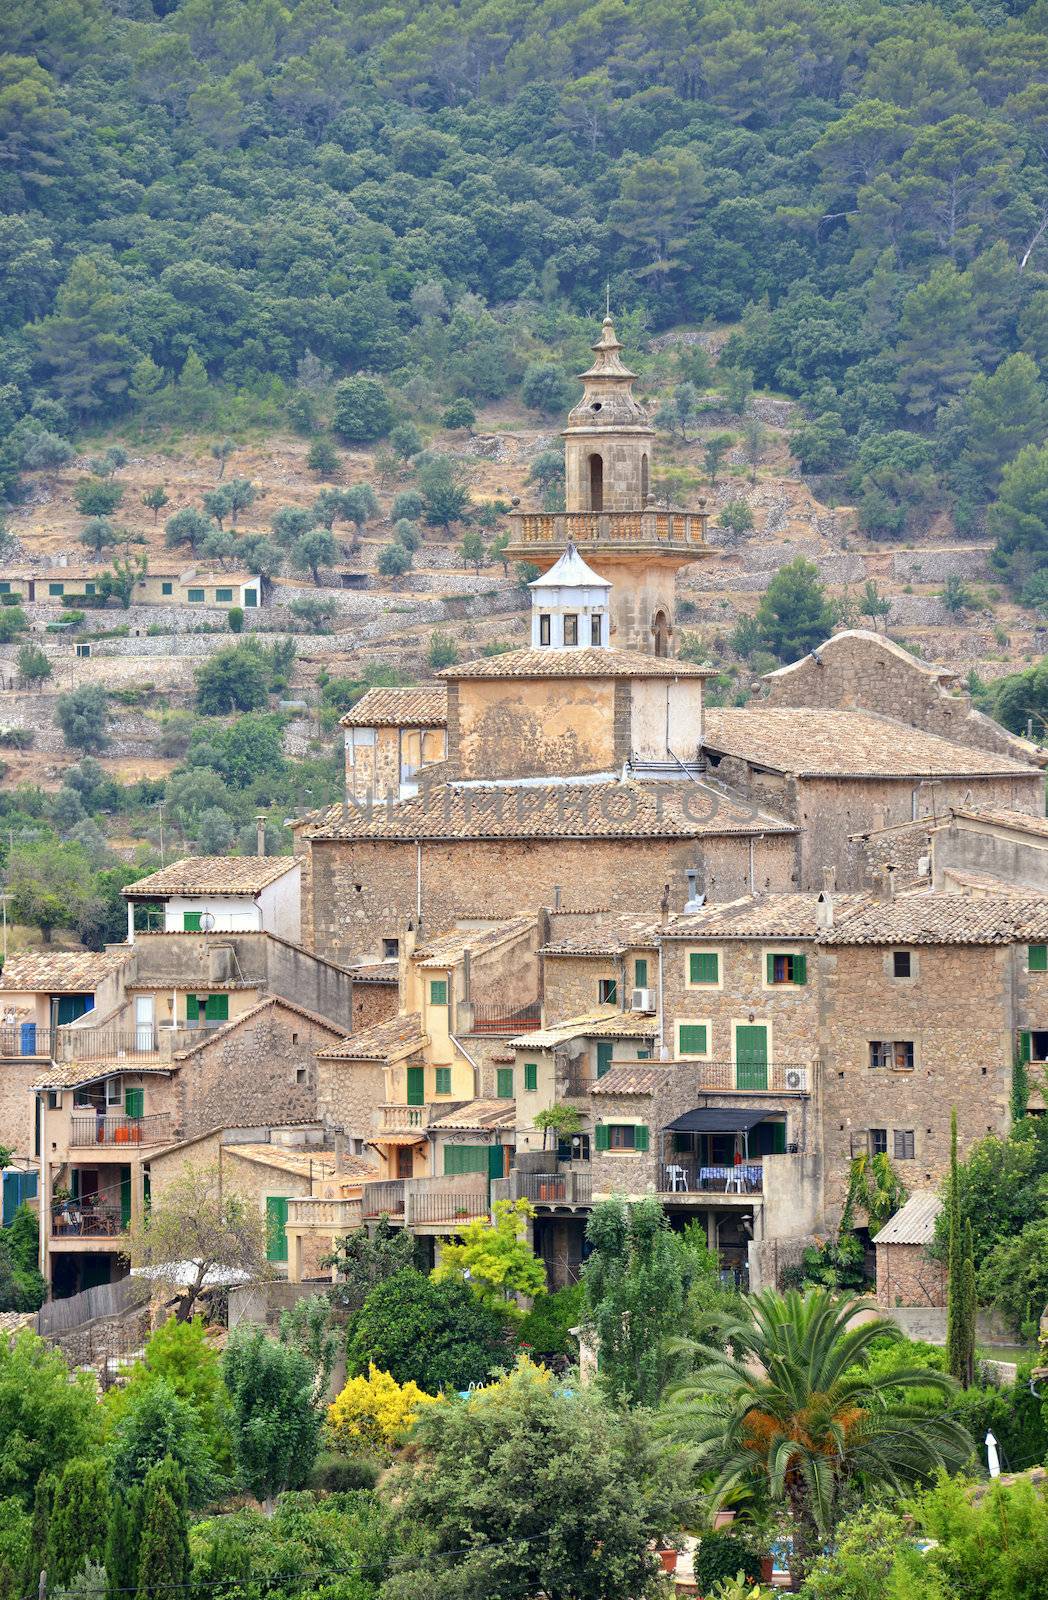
(330, 1214)
(687, 1175)
(506, 1019)
(396, 1117)
(608, 527)
(87, 1127)
(552, 1188)
(447, 1205)
(22, 1040)
(734, 1077)
(71, 1219)
(383, 1199)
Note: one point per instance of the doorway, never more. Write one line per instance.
(144, 1018)
(660, 627)
(644, 480)
(596, 482)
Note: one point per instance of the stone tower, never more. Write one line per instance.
(611, 514)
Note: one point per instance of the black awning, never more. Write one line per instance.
(707, 1120)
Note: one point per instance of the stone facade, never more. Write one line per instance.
(264, 1071)
(907, 1276)
(373, 1002)
(17, 1106)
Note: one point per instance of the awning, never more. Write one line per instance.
(397, 1138)
(705, 1120)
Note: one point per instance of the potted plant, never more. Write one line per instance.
(668, 1550)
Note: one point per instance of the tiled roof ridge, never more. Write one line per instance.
(584, 662)
(423, 703)
(380, 1038)
(244, 875)
(234, 1023)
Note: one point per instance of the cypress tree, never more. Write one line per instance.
(42, 1499)
(122, 1544)
(163, 1558)
(79, 1520)
(955, 1339)
(969, 1307)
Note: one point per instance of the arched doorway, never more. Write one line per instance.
(596, 483)
(660, 627)
(644, 479)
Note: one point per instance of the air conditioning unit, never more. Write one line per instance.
(641, 1000)
(797, 1079)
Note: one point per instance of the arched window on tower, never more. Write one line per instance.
(660, 627)
(596, 483)
(644, 479)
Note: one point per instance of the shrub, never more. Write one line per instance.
(442, 652)
(344, 1474)
(362, 410)
(13, 621)
(546, 388)
(83, 717)
(375, 1412)
(723, 1555)
(95, 497)
(322, 458)
(235, 618)
(437, 1335)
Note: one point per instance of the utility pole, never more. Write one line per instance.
(160, 808)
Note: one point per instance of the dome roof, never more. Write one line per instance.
(571, 572)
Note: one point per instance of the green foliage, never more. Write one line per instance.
(408, 506)
(362, 410)
(736, 516)
(724, 1555)
(1013, 1277)
(233, 679)
(634, 1296)
(314, 550)
(181, 1356)
(79, 1519)
(546, 388)
(235, 619)
(545, 1332)
(156, 1423)
(714, 451)
(459, 414)
(51, 884)
(794, 615)
(22, 1287)
(439, 1335)
(322, 458)
(494, 1257)
(13, 621)
(442, 652)
(188, 526)
(394, 559)
(986, 1547)
(445, 494)
(1018, 518)
(97, 497)
(348, 1537)
(541, 1491)
(164, 1560)
(362, 1259)
(47, 1416)
(275, 1426)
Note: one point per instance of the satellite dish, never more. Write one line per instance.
(207, 922)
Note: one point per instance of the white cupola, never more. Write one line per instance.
(570, 606)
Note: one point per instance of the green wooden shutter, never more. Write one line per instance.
(640, 973)
(216, 1008)
(443, 1076)
(1037, 957)
(1025, 1050)
(438, 991)
(800, 969)
(134, 1102)
(692, 1039)
(191, 921)
(640, 1136)
(531, 1076)
(504, 1082)
(125, 1198)
(463, 1158)
(192, 1008)
(276, 1226)
(771, 969)
(751, 1058)
(496, 1161)
(702, 966)
(605, 1049)
(778, 1139)
(601, 1136)
(416, 1086)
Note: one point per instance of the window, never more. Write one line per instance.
(443, 1077)
(895, 1054)
(195, 596)
(1033, 1046)
(787, 969)
(904, 1144)
(901, 964)
(54, 1099)
(504, 1083)
(605, 1053)
(5, 588)
(640, 973)
(544, 621)
(438, 991)
(223, 595)
(596, 631)
(878, 1141)
(623, 1136)
(301, 1074)
(608, 991)
(577, 1148)
(56, 588)
(134, 1102)
(531, 1076)
(1037, 957)
(167, 588)
(691, 1038)
(89, 588)
(207, 1007)
(703, 966)
(191, 921)
(571, 628)
(83, 650)
(251, 597)
(390, 949)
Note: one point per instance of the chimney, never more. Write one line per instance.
(556, 897)
(260, 836)
(886, 883)
(664, 905)
(824, 904)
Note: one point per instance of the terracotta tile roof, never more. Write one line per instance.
(376, 971)
(760, 916)
(820, 742)
(576, 664)
(478, 1116)
(208, 875)
(62, 971)
(555, 811)
(74, 1073)
(425, 706)
(632, 1078)
(1002, 818)
(304, 1162)
(396, 1036)
(937, 917)
(913, 1223)
(213, 1035)
(448, 948)
(599, 934)
(607, 1022)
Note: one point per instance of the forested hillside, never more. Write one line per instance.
(215, 192)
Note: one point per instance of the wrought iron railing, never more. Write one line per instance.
(383, 1198)
(89, 1127)
(687, 1175)
(71, 1219)
(737, 1077)
(572, 1188)
(445, 1205)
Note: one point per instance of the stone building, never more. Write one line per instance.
(906, 1274)
(218, 894)
(391, 734)
(637, 546)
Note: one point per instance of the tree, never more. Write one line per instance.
(474, 550)
(545, 388)
(48, 1416)
(1013, 1278)
(79, 1519)
(120, 582)
(405, 440)
(738, 388)
(222, 453)
(375, 1412)
(634, 1296)
(736, 516)
(359, 504)
(1018, 518)
(495, 1258)
(960, 1315)
(108, 465)
(291, 522)
(439, 1335)
(260, 555)
(714, 452)
(82, 346)
(83, 716)
(155, 1424)
(361, 1260)
(194, 398)
(497, 550)
(442, 652)
(164, 1564)
(218, 503)
(394, 559)
(182, 1356)
(95, 497)
(98, 534)
(275, 1425)
(322, 458)
(307, 1327)
(241, 493)
(123, 1542)
(188, 526)
(561, 1120)
(314, 550)
(46, 452)
(794, 1411)
(873, 604)
(754, 443)
(407, 505)
(233, 679)
(934, 353)
(445, 495)
(155, 500)
(794, 614)
(362, 410)
(33, 665)
(600, 1492)
(459, 414)
(50, 884)
(13, 621)
(205, 1223)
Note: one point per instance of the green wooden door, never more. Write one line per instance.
(416, 1086)
(125, 1198)
(605, 1050)
(496, 1161)
(134, 1102)
(751, 1058)
(276, 1225)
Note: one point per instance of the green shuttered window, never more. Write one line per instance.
(531, 1076)
(787, 969)
(438, 991)
(622, 1136)
(640, 973)
(692, 1039)
(703, 966)
(460, 1158)
(443, 1076)
(504, 1083)
(1038, 958)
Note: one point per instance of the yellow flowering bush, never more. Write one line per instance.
(375, 1412)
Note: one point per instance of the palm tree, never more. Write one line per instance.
(792, 1408)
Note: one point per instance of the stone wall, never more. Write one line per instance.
(262, 1072)
(972, 847)
(373, 1002)
(348, 1094)
(571, 983)
(900, 848)
(907, 1276)
(17, 1105)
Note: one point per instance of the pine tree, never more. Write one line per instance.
(122, 1544)
(79, 1519)
(163, 1551)
(956, 1344)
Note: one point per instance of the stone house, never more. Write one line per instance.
(906, 1274)
(218, 894)
(391, 734)
(984, 851)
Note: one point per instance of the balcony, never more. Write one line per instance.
(687, 1176)
(328, 1215)
(394, 1117)
(90, 1219)
(72, 1042)
(572, 1188)
(88, 1128)
(383, 1199)
(428, 1207)
(677, 530)
(733, 1077)
(505, 1020)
